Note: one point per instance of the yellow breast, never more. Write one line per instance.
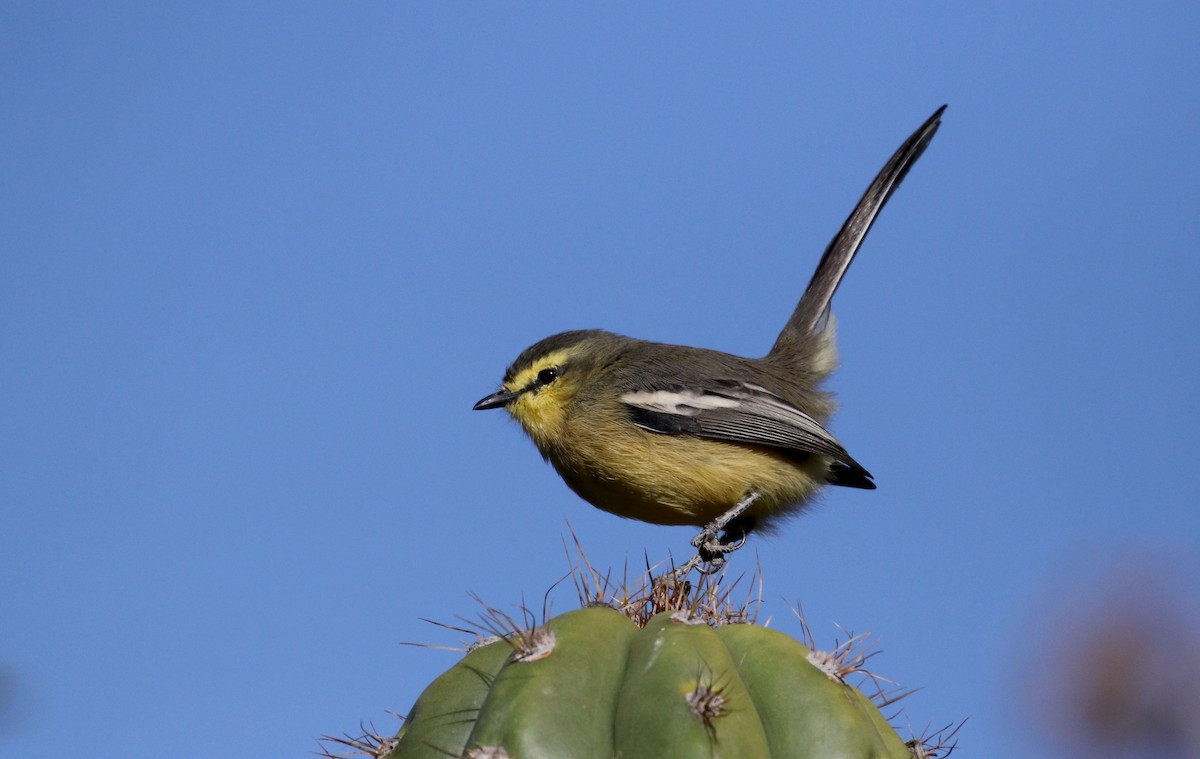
(681, 479)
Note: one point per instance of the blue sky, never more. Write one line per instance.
(259, 261)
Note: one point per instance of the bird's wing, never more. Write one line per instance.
(740, 412)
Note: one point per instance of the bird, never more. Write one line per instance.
(678, 435)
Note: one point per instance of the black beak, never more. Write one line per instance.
(496, 400)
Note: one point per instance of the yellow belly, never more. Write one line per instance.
(682, 479)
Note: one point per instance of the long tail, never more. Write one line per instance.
(814, 304)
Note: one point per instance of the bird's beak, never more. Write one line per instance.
(496, 400)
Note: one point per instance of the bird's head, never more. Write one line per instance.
(542, 383)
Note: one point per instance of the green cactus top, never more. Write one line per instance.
(591, 683)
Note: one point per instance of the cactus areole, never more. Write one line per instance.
(590, 683)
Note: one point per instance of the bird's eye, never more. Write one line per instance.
(546, 376)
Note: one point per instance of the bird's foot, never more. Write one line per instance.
(720, 537)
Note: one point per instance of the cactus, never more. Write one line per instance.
(591, 683)
(668, 671)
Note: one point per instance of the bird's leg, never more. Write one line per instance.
(721, 536)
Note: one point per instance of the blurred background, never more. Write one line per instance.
(259, 260)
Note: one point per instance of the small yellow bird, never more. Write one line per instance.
(676, 435)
